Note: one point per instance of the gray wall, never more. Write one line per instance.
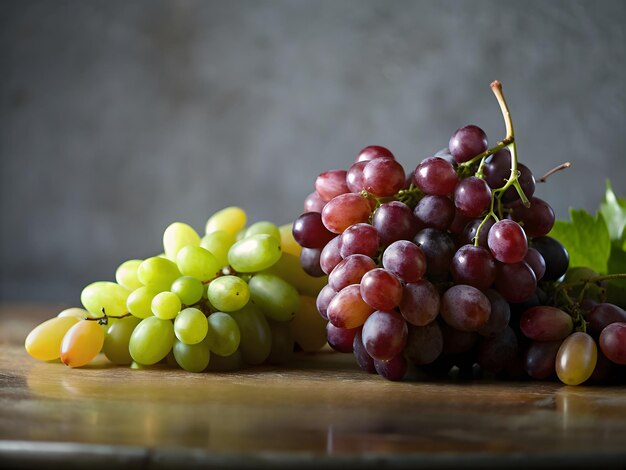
(119, 117)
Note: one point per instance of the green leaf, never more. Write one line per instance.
(586, 238)
(614, 211)
(616, 288)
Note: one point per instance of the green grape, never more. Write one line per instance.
(255, 253)
(105, 295)
(44, 342)
(223, 335)
(278, 299)
(166, 305)
(79, 313)
(197, 262)
(228, 293)
(191, 326)
(126, 274)
(282, 342)
(177, 236)
(263, 227)
(256, 338)
(218, 243)
(117, 338)
(139, 302)
(231, 220)
(192, 357)
(158, 272)
(226, 363)
(576, 358)
(188, 289)
(151, 340)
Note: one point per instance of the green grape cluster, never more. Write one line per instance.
(236, 296)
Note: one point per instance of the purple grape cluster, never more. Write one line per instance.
(444, 268)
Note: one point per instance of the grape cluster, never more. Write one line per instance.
(218, 302)
(450, 267)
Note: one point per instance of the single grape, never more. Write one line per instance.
(436, 176)
(314, 203)
(472, 196)
(331, 255)
(255, 334)
(424, 344)
(383, 177)
(500, 314)
(228, 293)
(434, 211)
(230, 219)
(384, 335)
(192, 357)
(465, 308)
(105, 295)
(354, 177)
(158, 272)
(218, 243)
(331, 183)
(278, 299)
(439, 249)
(602, 315)
(347, 309)
(350, 271)
(190, 326)
(223, 335)
(507, 241)
(188, 289)
(345, 210)
(474, 266)
(255, 253)
(373, 151)
(446, 155)
(536, 262)
(381, 289)
(406, 260)
(497, 168)
(555, 256)
(576, 359)
(82, 343)
(44, 341)
(394, 369)
(527, 183)
(308, 329)
(116, 341)
(126, 274)
(540, 359)
(613, 342)
(323, 300)
(495, 353)
(139, 302)
(468, 234)
(359, 239)
(165, 305)
(177, 236)
(516, 282)
(420, 302)
(537, 220)
(363, 359)
(263, 227)
(394, 221)
(310, 261)
(341, 339)
(467, 142)
(309, 231)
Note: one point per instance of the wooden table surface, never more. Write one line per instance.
(320, 411)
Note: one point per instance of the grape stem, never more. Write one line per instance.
(562, 166)
(104, 319)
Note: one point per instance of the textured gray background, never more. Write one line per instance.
(117, 118)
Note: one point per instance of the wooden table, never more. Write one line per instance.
(321, 411)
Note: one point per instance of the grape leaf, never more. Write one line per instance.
(613, 210)
(586, 238)
(616, 288)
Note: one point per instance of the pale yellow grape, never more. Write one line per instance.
(44, 342)
(288, 267)
(197, 262)
(177, 236)
(191, 326)
(105, 295)
(263, 227)
(230, 219)
(158, 272)
(218, 243)
(151, 340)
(278, 299)
(126, 274)
(308, 327)
(139, 302)
(576, 358)
(116, 340)
(228, 293)
(82, 343)
(254, 253)
(287, 243)
(76, 312)
(166, 305)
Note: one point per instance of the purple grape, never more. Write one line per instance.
(526, 181)
(500, 314)
(394, 369)
(536, 262)
(314, 203)
(350, 270)
(345, 210)
(323, 299)
(384, 335)
(613, 342)
(439, 249)
(465, 308)
(474, 266)
(373, 151)
(497, 168)
(472, 197)
(394, 221)
(537, 220)
(467, 142)
(406, 260)
(539, 360)
(330, 255)
(359, 239)
(310, 261)
(602, 315)
(347, 309)
(340, 339)
(424, 344)
(516, 282)
(363, 359)
(383, 177)
(354, 177)
(544, 323)
(555, 256)
(447, 156)
(331, 183)
(381, 289)
(309, 231)
(495, 353)
(436, 176)
(420, 302)
(434, 211)
(507, 241)
(456, 341)
(469, 232)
